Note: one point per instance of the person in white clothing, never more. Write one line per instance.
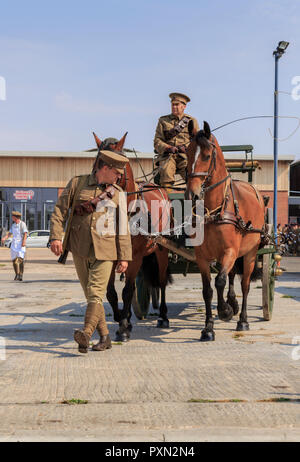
(19, 232)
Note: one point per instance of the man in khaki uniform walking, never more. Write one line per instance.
(172, 139)
(99, 235)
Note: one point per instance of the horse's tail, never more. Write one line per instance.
(239, 268)
(150, 270)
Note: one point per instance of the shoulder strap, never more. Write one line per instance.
(169, 134)
(77, 191)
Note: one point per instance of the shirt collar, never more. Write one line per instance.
(92, 180)
(177, 118)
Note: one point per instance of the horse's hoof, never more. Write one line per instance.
(207, 336)
(225, 314)
(234, 305)
(122, 337)
(163, 323)
(242, 325)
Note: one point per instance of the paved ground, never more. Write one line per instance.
(164, 385)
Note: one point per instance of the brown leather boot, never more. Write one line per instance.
(16, 268)
(103, 344)
(82, 337)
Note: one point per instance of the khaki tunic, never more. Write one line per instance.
(168, 122)
(93, 235)
(170, 164)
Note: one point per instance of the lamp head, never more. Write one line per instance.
(281, 47)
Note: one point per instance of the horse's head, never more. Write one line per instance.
(205, 161)
(112, 144)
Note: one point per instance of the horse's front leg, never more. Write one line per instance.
(125, 327)
(164, 278)
(163, 320)
(112, 296)
(207, 334)
(225, 310)
(231, 296)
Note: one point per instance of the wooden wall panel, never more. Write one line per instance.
(56, 172)
(264, 178)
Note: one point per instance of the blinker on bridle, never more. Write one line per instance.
(208, 174)
(211, 167)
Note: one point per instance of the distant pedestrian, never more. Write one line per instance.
(18, 231)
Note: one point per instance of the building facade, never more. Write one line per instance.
(294, 198)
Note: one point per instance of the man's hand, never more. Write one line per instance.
(5, 237)
(121, 266)
(56, 247)
(182, 148)
(171, 149)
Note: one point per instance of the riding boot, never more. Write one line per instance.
(103, 344)
(21, 269)
(92, 315)
(17, 262)
(16, 268)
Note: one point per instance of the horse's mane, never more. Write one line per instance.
(202, 140)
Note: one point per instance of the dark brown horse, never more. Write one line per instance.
(146, 254)
(234, 223)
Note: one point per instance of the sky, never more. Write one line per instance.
(74, 67)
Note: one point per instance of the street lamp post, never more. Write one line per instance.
(282, 46)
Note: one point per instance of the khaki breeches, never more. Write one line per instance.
(170, 166)
(93, 276)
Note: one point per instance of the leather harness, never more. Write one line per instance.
(220, 215)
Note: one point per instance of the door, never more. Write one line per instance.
(48, 209)
(31, 216)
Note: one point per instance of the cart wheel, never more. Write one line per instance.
(268, 285)
(141, 297)
(268, 276)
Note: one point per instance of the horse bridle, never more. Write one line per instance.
(208, 174)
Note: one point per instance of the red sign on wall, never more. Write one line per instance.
(23, 195)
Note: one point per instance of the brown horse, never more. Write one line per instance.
(146, 254)
(234, 223)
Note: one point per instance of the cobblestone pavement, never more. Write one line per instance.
(163, 385)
